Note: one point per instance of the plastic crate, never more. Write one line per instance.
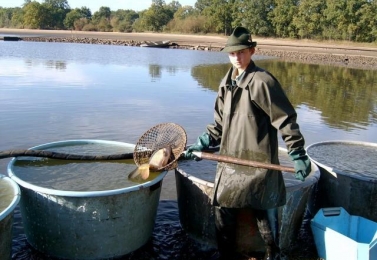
(339, 235)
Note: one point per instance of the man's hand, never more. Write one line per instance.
(202, 143)
(302, 163)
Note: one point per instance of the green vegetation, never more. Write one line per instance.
(350, 20)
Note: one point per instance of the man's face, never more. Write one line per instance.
(241, 59)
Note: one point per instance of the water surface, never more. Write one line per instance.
(354, 159)
(73, 175)
(6, 194)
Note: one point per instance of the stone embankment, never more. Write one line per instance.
(352, 61)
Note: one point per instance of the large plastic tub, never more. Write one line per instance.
(197, 214)
(93, 224)
(9, 198)
(348, 176)
(339, 235)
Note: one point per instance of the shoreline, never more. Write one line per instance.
(350, 55)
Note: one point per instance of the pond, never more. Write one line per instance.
(62, 91)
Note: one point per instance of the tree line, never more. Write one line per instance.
(351, 20)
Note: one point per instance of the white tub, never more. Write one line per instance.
(12, 193)
(88, 224)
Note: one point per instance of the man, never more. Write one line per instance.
(250, 108)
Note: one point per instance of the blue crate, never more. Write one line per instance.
(339, 235)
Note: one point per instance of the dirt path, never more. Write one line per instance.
(347, 54)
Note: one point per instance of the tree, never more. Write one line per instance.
(57, 10)
(101, 19)
(184, 12)
(254, 15)
(26, 2)
(122, 20)
(200, 5)
(103, 12)
(367, 22)
(58, 4)
(335, 24)
(36, 15)
(219, 15)
(309, 18)
(156, 17)
(173, 7)
(187, 20)
(5, 17)
(83, 24)
(282, 17)
(75, 15)
(71, 17)
(353, 17)
(85, 12)
(17, 18)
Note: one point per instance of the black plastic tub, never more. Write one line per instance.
(348, 176)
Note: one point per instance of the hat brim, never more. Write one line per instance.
(238, 47)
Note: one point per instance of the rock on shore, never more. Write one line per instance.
(351, 61)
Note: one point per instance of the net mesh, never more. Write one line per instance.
(158, 137)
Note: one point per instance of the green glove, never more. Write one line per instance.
(203, 142)
(302, 164)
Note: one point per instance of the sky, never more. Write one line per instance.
(94, 5)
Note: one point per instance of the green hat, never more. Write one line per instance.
(240, 39)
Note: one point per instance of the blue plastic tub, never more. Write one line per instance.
(339, 235)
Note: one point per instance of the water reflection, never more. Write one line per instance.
(155, 71)
(345, 98)
(49, 64)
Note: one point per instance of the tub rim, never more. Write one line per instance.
(16, 197)
(335, 171)
(195, 179)
(49, 191)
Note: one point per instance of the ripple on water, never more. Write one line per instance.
(354, 159)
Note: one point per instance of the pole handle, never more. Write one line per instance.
(229, 159)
